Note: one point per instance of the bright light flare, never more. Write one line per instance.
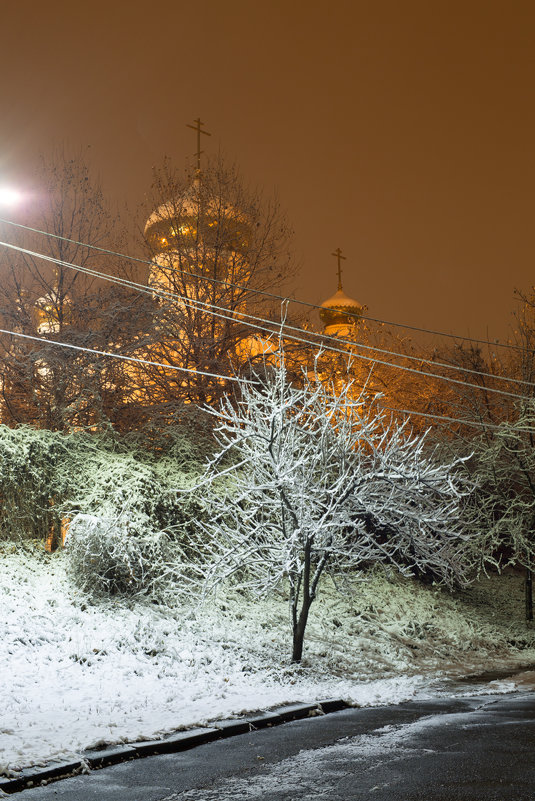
(9, 196)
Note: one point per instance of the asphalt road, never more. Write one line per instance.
(476, 748)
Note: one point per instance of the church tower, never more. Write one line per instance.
(340, 314)
(197, 238)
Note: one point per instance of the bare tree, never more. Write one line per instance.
(41, 296)
(215, 247)
(309, 479)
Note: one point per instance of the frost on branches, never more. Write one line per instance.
(322, 481)
(504, 505)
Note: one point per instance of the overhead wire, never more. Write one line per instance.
(437, 418)
(261, 323)
(264, 293)
(122, 356)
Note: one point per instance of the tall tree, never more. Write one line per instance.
(41, 296)
(215, 247)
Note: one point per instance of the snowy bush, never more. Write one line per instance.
(185, 436)
(32, 481)
(46, 476)
(114, 556)
(503, 464)
(128, 524)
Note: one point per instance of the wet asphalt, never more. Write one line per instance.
(476, 747)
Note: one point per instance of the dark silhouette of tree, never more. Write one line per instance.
(42, 383)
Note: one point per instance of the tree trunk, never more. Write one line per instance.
(529, 595)
(299, 631)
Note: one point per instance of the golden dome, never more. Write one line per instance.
(196, 215)
(340, 310)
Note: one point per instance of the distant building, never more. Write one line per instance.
(340, 314)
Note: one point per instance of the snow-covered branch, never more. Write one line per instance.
(324, 479)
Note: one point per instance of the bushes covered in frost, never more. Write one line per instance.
(34, 480)
(128, 519)
(110, 556)
(129, 525)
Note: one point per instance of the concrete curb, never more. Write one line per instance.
(178, 741)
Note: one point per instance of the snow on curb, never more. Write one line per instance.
(179, 741)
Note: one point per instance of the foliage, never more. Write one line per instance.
(321, 481)
(114, 488)
(502, 444)
(129, 523)
(31, 481)
(503, 511)
(108, 556)
(185, 437)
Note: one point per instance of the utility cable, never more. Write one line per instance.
(408, 412)
(123, 357)
(222, 313)
(271, 295)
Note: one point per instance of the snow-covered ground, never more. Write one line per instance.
(75, 674)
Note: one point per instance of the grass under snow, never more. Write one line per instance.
(75, 674)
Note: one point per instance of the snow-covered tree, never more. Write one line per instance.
(504, 505)
(309, 480)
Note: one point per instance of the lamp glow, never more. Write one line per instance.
(9, 196)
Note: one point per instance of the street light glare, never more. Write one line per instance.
(9, 196)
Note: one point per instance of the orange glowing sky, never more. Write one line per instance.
(402, 132)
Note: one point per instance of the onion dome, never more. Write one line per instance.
(340, 311)
(197, 215)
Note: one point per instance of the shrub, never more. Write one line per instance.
(114, 556)
(31, 481)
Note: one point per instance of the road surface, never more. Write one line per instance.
(476, 748)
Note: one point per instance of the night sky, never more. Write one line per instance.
(401, 132)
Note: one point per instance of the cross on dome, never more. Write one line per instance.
(338, 254)
(197, 127)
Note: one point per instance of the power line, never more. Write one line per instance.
(437, 418)
(444, 418)
(123, 357)
(221, 312)
(408, 412)
(271, 295)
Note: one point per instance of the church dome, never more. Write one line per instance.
(340, 310)
(195, 215)
(340, 313)
(185, 205)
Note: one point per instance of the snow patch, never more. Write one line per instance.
(78, 675)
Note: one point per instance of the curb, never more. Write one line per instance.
(173, 743)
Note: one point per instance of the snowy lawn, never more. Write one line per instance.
(75, 675)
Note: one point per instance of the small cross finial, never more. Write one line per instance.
(197, 127)
(338, 254)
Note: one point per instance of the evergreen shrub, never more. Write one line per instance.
(32, 481)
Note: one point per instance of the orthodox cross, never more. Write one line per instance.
(197, 128)
(338, 254)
